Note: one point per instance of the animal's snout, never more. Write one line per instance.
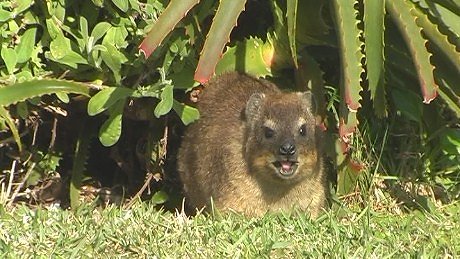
(288, 148)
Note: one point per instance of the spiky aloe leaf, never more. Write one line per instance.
(218, 35)
(311, 76)
(9, 121)
(312, 28)
(441, 40)
(351, 56)
(291, 15)
(251, 56)
(374, 14)
(79, 161)
(400, 11)
(175, 11)
(12, 94)
(451, 100)
(280, 55)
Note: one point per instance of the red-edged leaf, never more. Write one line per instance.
(400, 11)
(175, 11)
(218, 35)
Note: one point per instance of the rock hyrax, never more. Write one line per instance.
(254, 149)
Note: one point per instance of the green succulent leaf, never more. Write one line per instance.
(10, 58)
(449, 96)
(435, 35)
(408, 103)
(63, 97)
(166, 103)
(5, 15)
(121, 4)
(25, 47)
(12, 94)
(218, 36)
(311, 77)
(247, 56)
(100, 30)
(114, 59)
(110, 132)
(312, 28)
(400, 10)
(186, 113)
(350, 45)
(61, 52)
(175, 11)
(346, 181)
(107, 97)
(21, 6)
(374, 14)
(159, 197)
(82, 146)
(291, 15)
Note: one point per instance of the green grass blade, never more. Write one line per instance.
(175, 11)
(400, 11)
(374, 14)
(218, 35)
(291, 15)
(15, 93)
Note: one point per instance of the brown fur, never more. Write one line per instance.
(227, 155)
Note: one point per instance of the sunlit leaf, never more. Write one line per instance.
(122, 4)
(110, 131)
(186, 113)
(107, 97)
(25, 47)
(10, 58)
(166, 102)
(247, 56)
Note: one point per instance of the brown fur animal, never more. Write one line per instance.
(254, 149)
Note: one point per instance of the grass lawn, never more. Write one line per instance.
(143, 231)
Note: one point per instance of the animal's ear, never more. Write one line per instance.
(254, 105)
(308, 102)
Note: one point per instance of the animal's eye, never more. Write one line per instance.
(303, 130)
(268, 132)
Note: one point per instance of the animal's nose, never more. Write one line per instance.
(287, 148)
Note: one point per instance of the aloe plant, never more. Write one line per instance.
(218, 36)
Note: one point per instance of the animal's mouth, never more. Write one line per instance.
(285, 168)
